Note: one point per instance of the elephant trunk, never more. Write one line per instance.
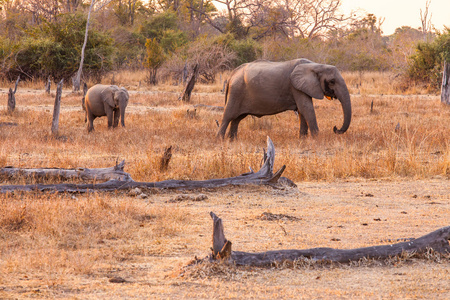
(344, 97)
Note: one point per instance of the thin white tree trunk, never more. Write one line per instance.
(57, 108)
(76, 81)
(445, 89)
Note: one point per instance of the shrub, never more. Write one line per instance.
(427, 62)
(245, 50)
(154, 58)
(55, 49)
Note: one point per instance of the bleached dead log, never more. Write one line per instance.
(437, 240)
(97, 174)
(264, 176)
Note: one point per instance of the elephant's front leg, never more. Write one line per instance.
(109, 114)
(307, 114)
(303, 125)
(116, 117)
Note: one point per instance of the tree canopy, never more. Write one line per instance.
(39, 38)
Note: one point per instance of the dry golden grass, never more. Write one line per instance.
(374, 182)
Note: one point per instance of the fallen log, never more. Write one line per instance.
(264, 176)
(221, 250)
(95, 174)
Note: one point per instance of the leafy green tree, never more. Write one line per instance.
(164, 29)
(54, 48)
(246, 50)
(154, 59)
(155, 27)
(426, 64)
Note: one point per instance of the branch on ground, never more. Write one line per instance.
(120, 180)
(437, 240)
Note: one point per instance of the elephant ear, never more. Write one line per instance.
(306, 80)
(124, 90)
(108, 95)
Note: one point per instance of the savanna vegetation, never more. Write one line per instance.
(40, 39)
(386, 178)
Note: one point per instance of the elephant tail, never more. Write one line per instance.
(227, 88)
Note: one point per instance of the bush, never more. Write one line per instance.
(128, 53)
(246, 50)
(54, 49)
(210, 56)
(427, 62)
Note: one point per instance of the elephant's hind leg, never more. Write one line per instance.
(223, 128)
(232, 134)
(90, 126)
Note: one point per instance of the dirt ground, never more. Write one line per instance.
(345, 214)
(151, 261)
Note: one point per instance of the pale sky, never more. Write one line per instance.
(397, 13)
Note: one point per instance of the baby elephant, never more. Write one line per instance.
(106, 100)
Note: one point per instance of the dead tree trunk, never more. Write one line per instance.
(77, 79)
(96, 174)
(437, 240)
(12, 96)
(445, 89)
(184, 74)
(186, 95)
(11, 101)
(56, 108)
(48, 85)
(264, 176)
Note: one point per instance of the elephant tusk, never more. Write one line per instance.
(329, 98)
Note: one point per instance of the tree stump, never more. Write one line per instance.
(186, 95)
(12, 96)
(165, 159)
(56, 108)
(445, 89)
(48, 85)
(11, 101)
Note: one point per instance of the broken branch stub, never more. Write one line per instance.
(437, 240)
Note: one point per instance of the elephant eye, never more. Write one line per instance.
(332, 81)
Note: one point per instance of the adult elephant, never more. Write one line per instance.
(106, 100)
(266, 88)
